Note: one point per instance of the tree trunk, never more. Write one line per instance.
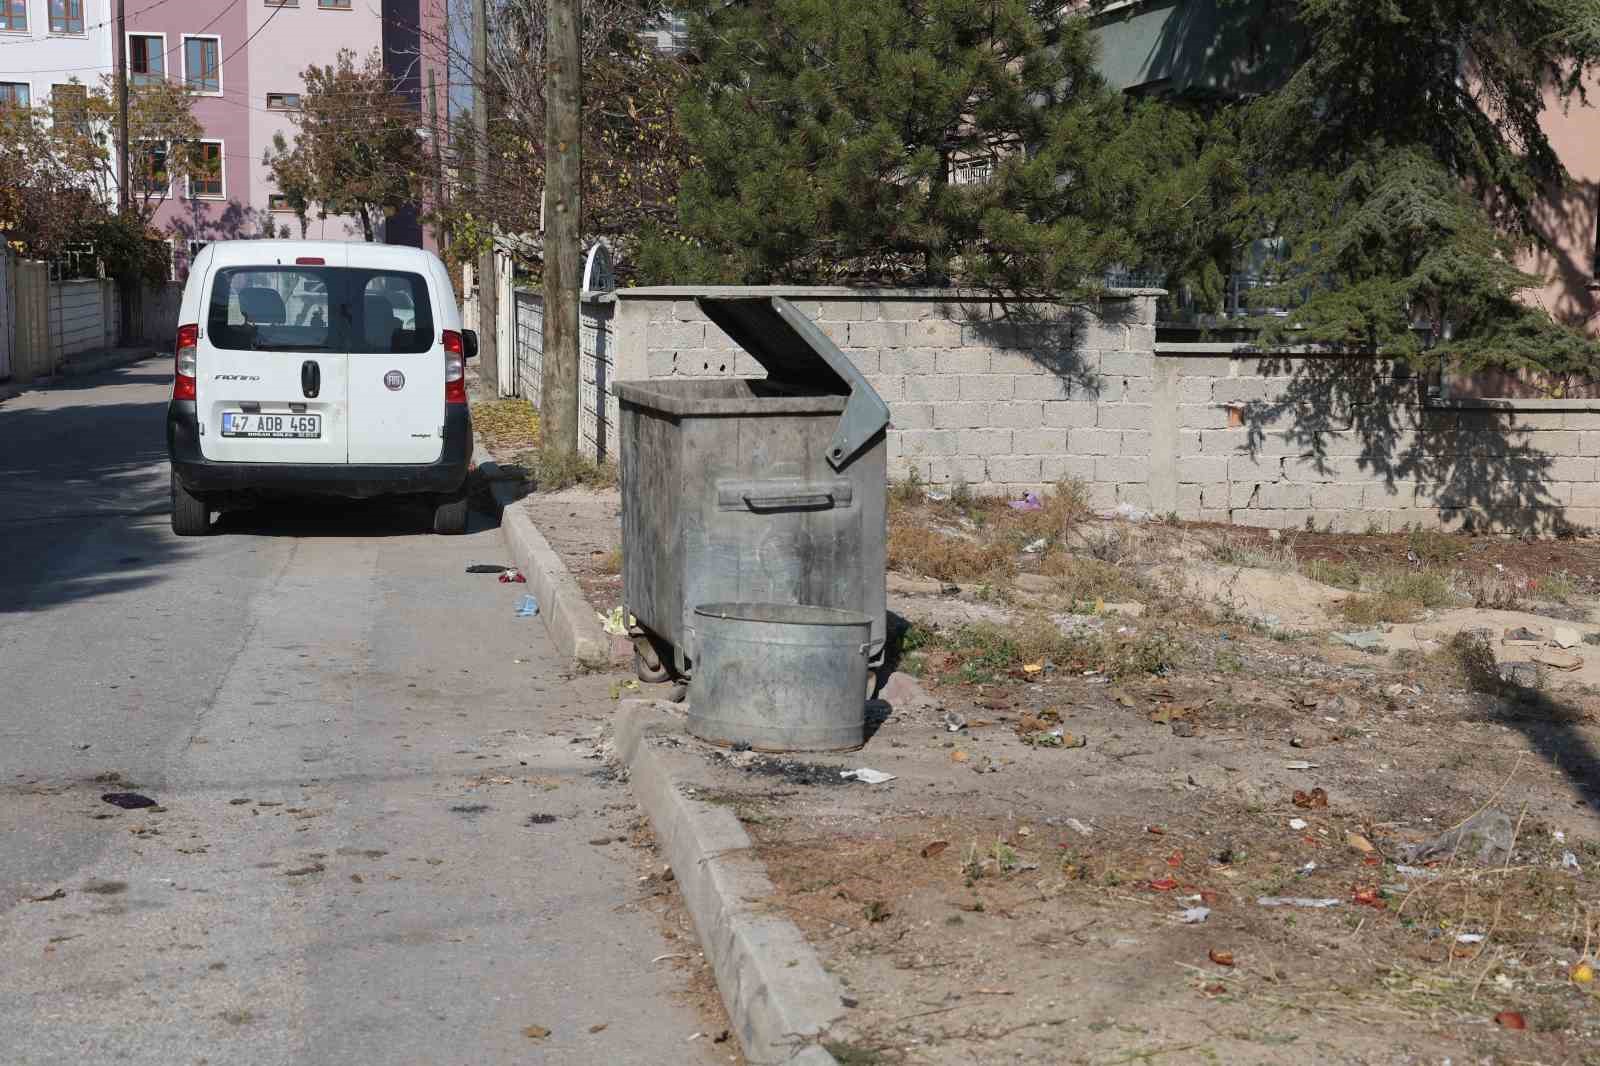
(366, 225)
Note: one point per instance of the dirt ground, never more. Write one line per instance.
(1012, 896)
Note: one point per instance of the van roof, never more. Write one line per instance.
(232, 253)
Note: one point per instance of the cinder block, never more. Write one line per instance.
(1125, 416)
(930, 442)
(892, 387)
(1039, 441)
(848, 310)
(719, 341)
(746, 365)
(912, 310)
(879, 335)
(1017, 414)
(685, 311)
(1138, 390)
(660, 363)
(1102, 494)
(1121, 469)
(1189, 500)
(1585, 494)
(681, 335)
(1102, 389)
(1242, 494)
(1569, 468)
(1053, 468)
(985, 442)
(961, 360)
(1107, 338)
(894, 443)
(1142, 338)
(1216, 514)
(1191, 442)
(1589, 443)
(839, 334)
(934, 388)
(1238, 390)
(1248, 467)
(1202, 416)
(1041, 386)
(864, 359)
(1202, 366)
(1135, 442)
(1127, 364)
(1134, 494)
(1071, 414)
(911, 415)
(971, 469)
(1539, 420)
(930, 333)
(1283, 494)
(1010, 361)
(906, 360)
(988, 386)
(1094, 442)
(1015, 469)
(960, 415)
(1202, 469)
(1386, 497)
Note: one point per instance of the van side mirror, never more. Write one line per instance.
(469, 343)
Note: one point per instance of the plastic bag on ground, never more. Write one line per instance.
(1485, 838)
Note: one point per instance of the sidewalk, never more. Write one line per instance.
(82, 364)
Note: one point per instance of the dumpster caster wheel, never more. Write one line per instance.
(679, 693)
(647, 674)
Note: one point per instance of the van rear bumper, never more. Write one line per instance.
(204, 477)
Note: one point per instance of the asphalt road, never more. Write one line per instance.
(347, 736)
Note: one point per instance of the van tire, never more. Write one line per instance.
(450, 515)
(191, 516)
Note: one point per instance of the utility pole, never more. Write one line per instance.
(122, 107)
(438, 158)
(488, 277)
(563, 198)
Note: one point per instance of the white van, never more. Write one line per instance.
(318, 368)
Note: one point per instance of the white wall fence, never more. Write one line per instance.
(597, 407)
(44, 323)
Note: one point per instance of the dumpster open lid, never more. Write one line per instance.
(794, 351)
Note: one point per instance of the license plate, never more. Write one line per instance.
(242, 424)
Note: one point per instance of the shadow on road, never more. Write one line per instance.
(382, 517)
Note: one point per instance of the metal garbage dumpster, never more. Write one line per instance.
(768, 490)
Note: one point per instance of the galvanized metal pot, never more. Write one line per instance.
(780, 677)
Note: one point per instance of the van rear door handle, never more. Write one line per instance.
(310, 378)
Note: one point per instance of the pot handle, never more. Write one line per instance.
(872, 647)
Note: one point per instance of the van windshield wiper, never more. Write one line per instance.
(292, 347)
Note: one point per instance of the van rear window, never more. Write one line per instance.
(316, 309)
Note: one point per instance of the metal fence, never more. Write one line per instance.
(597, 407)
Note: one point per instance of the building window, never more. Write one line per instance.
(66, 16)
(202, 64)
(206, 181)
(13, 16)
(283, 3)
(278, 202)
(69, 106)
(13, 94)
(283, 101)
(147, 58)
(154, 178)
(971, 171)
(334, 5)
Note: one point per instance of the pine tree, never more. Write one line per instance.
(830, 137)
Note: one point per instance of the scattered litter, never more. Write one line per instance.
(1300, 764)
(1194, 915)
(1522, 637)
(958, 756)
(535, 1032)
(600, 842)
(938, 497)
(1182, 727)
(59, 893)
(527, 607)
(1296, 901)
(867, 775)
(953, 722)
(1569, 861)
(1079, 828)
(1307, 870)
(670, 955)
(513, 576)
(614, 622)
(1297, 823)
(128, 801)
(1557, 659)
(1510, 1019)
(1486, 837)
(1365, 640)
(1029, 502)
(1128, 512)
(1316, 799)
(1359, 842)
(1221, 958)
(1056, 738)
(487, 568)
(1035, 547)
(1469, 938)
(1522, 673)
(1558, 836)
(599, 1027)
(1032, 669)
(1565, 638)
(239, 801)
(934, 848)
(302, 871)
(1583, 973)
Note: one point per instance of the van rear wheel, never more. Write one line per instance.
(191, 516)
(450, 515)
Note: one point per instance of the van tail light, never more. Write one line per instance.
(455, 368)
(183, 378)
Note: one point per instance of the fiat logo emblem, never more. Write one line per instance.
(394, 381)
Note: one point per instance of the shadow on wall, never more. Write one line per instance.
(1481, 469)
(1568, 219)
(1056, 338)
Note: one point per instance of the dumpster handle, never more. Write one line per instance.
(808, 499)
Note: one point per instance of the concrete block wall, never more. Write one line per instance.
(1356, 444)
(1003, 396)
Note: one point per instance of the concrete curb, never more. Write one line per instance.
(568, 618)
(75, 368)
(778, 996)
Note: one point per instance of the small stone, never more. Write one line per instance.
(600, 841)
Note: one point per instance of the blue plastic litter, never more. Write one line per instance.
(527, 607)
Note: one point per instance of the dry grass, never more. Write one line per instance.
(509, 425)
(917, 549)
(1082, 580)
(1379, 609)
(552, 471)
(965, 537)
